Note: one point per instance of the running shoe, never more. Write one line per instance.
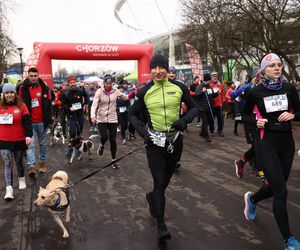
(250, 207)
(115, 165)
(100, 150)
(292, 244)
(239, 168)
(163, 233)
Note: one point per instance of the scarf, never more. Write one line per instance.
(271, 84)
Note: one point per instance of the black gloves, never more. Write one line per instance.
(147, 139)
(180, 125)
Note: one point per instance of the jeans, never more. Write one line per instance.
(38, 129)
(75, 123)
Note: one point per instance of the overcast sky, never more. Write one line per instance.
(88, 21)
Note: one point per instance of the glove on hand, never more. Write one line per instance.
(180, 124)
(28, 141)
(147, 138)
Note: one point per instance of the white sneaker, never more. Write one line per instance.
(9, 193)
(22, 183)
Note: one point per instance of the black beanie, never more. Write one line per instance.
(159, 60)
(207, 77)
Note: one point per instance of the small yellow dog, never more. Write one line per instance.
(56, 199)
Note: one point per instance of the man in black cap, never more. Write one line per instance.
(160, 100)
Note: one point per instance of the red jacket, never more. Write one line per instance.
(228, 97)
(220, 99)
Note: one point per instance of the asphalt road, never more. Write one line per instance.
(204, 208)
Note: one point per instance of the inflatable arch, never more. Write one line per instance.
(43, 53)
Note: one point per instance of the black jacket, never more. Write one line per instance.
(72, 96)
(204, 99)
(46, 102)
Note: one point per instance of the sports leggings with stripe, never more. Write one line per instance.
(275, 158)
(8, 156)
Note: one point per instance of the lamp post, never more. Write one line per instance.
(20, 50)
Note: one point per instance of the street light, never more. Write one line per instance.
(20, 50)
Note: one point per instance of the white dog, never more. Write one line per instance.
(56, 134)
(85, 146)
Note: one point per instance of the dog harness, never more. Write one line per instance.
(56, 206)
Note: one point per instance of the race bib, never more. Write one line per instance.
(216, 90)
(34, 103)
(276, 103)
(238, 118)
(77, 106)
(91, 98)
(122, 109)
(209, 91)
(158, 138)
(6, 119)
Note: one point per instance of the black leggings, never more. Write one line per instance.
(111, 129)
(250, 154)
(275, 158)
(123, 121)
(162, 166)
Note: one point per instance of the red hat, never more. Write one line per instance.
(71, 78)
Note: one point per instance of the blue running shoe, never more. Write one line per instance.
(250, 207)
(292, 244)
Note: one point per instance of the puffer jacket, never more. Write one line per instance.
(104, 105)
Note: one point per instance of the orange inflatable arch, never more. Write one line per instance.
(43, 53)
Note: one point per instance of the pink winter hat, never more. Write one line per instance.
(267, 59)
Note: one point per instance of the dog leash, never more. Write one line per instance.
(100, 169)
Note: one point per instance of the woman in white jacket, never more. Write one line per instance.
(104, 114)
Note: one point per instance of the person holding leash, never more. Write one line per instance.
(160, 100)
(75, 103)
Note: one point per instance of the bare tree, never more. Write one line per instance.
(7, 46)
(245, 30)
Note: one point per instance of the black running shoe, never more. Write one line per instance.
(162, 232)
(115, 165)
(100, 150)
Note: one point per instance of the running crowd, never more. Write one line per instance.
(159, 111)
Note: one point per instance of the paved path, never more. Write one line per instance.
(204, 208)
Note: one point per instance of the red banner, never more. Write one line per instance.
(195, 61)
